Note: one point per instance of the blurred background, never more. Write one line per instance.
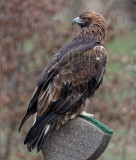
(31, 32)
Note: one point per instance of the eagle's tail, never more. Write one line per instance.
(39, 140)
(40, 131)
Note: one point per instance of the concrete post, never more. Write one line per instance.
(79, 139)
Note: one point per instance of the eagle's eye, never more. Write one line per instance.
(85, 19)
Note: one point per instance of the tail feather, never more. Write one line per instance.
(44, 138)
(39, 132)
(33, 142)
(40, 123)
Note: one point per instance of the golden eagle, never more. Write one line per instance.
(73, 75)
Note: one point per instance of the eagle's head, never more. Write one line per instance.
(88, 18)
(91, 20)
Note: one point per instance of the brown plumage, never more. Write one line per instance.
(72, 76)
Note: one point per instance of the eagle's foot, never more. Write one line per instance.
(73, 116)
(84, 113)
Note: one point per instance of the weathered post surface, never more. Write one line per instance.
(80, 139)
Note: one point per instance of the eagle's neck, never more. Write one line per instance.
(95, 31)
(98, 28)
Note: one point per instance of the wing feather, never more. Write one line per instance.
(77, 74)
(58, 75)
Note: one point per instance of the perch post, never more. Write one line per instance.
(80, 139)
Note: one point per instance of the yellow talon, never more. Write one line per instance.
(73, 116)
(84, 113)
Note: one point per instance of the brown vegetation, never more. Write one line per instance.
(28, 32)
(26, 29)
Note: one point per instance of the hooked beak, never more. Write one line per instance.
(77, 20)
